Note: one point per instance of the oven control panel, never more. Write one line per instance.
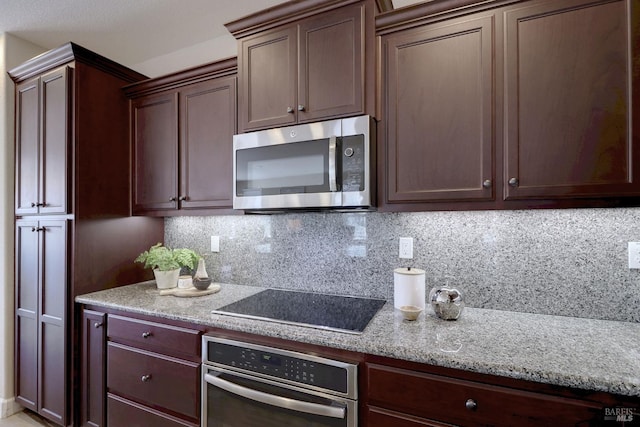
(285, 365)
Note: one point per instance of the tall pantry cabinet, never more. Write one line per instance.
(74, 232)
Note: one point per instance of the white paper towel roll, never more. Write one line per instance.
(408, 287)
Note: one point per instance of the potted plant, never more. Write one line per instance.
(166, 263)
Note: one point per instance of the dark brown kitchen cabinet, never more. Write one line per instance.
(509, 105)
(317, 62)
(155, 175)
(439, 112)
(93, 368)
(182, 128)
(73, 166)
(42, 110)
(41, 298)
(404, 394)
(153, 373)
(571, 74)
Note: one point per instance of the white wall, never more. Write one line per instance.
(197, 54)
(13, 51)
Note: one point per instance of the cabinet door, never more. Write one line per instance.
(331, 64)
(438, 108)
(53, 373)
(569, 85)
(207, 122)
(27, 299)
(267, 67)
(154, 121)
(93, 365)
(55, 136)
(27, 146)
(41, 307)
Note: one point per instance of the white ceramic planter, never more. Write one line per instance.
(167, 279)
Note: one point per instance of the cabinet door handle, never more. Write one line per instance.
(146, 378)
(471, 405)
(146, 334)
(37, 229)
(34, 204)
(487, 183)
(172, 199)
(97, 325)
(289, 110)
(513, 182)
(300, 107)
(182, 198)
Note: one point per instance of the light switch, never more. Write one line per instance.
(215, 243)
(634, 254)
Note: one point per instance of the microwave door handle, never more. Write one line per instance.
(281, 402)
(333, 185)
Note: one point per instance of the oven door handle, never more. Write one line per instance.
(281, 402)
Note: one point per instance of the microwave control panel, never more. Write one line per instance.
(353, 163)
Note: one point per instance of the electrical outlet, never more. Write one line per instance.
(215, 243)
(634, 254)
(406, 248)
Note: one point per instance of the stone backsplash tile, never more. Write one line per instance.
(567, 262)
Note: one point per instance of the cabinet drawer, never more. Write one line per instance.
(150, 378)
(124, 413)
(445, 399)
(155, 336)
(377, 417)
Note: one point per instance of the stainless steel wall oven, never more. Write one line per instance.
(247, 385)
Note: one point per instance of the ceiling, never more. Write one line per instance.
(127, 31)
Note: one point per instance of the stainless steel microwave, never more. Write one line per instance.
(319, 165)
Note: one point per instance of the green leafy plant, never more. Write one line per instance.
(162, 258)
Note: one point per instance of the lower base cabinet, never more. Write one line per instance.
(123, 412)
(149, 374)
(155, 380)
(138, 373)
(399, 397)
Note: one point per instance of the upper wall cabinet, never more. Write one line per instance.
(43, 106)
(572, 71)
(69, 112)
(510, 104)
(182, 128)
(439, 99)
(70, 118)
(306, 61)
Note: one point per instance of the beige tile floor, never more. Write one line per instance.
(25, 419)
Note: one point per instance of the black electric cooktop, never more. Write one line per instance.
(340, 313)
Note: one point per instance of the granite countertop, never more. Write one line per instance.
(589, 354)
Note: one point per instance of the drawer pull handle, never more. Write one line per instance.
(146, 334)
(471, 405)
(97, 324)
(146, 378)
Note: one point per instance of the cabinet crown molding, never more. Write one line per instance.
(291, 11)
(222, 68)
(431, 11)
(67, 53)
